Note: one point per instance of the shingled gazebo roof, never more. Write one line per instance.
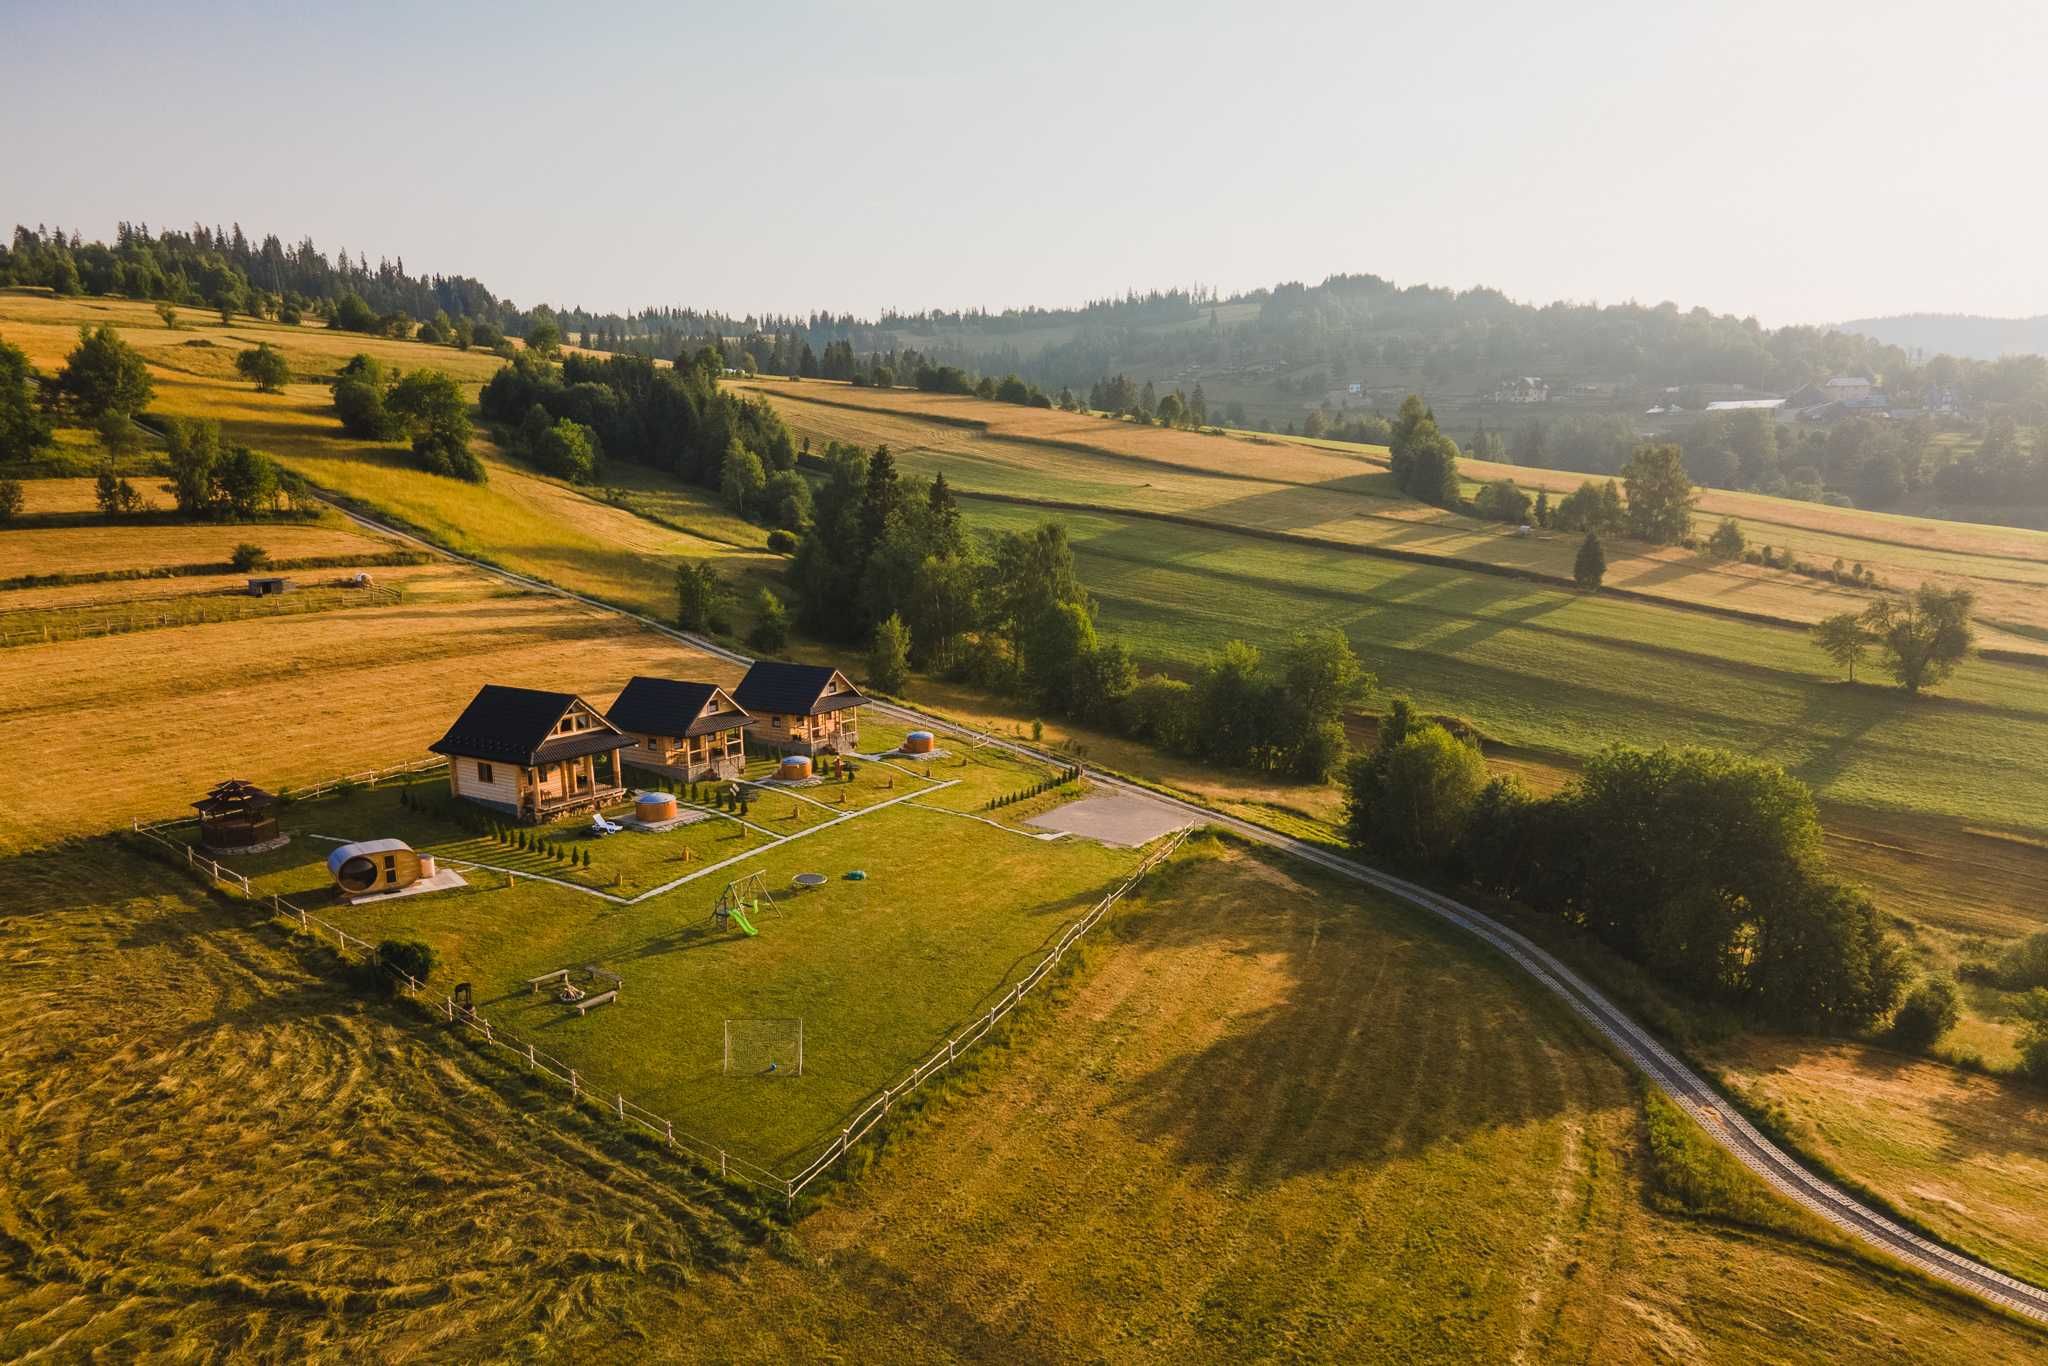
(235, 797)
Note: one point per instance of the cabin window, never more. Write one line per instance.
(390, 866)
(483, 773)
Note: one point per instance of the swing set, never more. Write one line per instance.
(742, 903)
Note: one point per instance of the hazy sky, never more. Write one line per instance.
(1796, 161)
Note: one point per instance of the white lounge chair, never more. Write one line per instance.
(600, 826)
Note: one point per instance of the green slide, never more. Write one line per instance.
(739, 918)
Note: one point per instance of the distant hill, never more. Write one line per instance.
(1957, 334)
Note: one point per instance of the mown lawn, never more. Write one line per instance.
(879, 969)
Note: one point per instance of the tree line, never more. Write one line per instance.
(674, 418)
(1703, 867)
(886, 563)
(227, 270)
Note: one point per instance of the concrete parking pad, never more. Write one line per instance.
(1119, 818)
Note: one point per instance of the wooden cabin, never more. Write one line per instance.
(269, 586)
(801, 708)
(681, 730)
(534, 755)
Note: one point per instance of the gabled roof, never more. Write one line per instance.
(517, 726)
(794, 689)
(671, 706)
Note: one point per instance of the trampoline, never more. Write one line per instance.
(805, 882)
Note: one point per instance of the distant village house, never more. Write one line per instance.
(1522, 389)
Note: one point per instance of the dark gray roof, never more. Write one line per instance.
(792, 689)
(517, 725)
(670, 706)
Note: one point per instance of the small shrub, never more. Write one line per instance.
(2025, 965)
(408, 956)
(782, 542)
(248, 556)
(1928, 1013)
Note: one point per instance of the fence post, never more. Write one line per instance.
(487, 1030)
(619, 1102)
(530, 1062)
(949, 1050)
(575, 1086)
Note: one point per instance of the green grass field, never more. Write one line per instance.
(1553, 671)
(951, 912)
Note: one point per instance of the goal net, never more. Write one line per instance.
(764, 1048)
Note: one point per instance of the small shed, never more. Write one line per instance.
(375, 866)
(237, 815)
(269, 586)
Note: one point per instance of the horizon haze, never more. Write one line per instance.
(1725, 158)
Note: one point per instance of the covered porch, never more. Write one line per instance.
(584, 783)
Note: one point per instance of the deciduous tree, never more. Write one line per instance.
(889, 655)
(1843, 638)
(102, 375)
(265, 366)
(1922, 637)
(1660, 497)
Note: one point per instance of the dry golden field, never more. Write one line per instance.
(520, 519)
(1262, 1127)
(1265, 1120)
(1966, 1155)
(142, 724)
(1343, 496)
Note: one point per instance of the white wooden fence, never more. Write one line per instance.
(708, 1155)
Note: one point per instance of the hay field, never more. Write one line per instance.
(1344, 495)
(1275, 1121)
(77, 495)
(100, 549)
(1961, 1153)
(142, 724)
(520, 519)
(210, 1148)
(1215, 1145)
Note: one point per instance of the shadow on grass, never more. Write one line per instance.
(1353, 1039)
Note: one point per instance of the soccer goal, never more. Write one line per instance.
(764, 1048)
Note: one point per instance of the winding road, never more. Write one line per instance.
(1684, 1086)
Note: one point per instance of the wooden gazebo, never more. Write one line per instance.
(238, 815)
